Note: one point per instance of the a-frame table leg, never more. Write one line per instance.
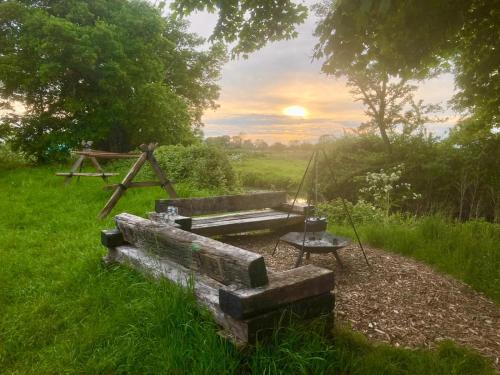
(99, 168)
(80, 169)
(165, 183)
(120, 189)
(75, 167)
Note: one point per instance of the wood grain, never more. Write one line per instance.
(225, 263)
(223, 203)
(283, 288)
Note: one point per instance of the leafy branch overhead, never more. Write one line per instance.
(416, 39)
(248, 24)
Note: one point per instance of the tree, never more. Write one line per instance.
(260, 144)
(248, 24)
(248, 144)
(223, 141)
(416, 39)
(115, 72)
(389, 103)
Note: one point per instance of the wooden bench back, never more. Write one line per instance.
(223, 203)
(222, 262)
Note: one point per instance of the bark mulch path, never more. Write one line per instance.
(400, 301)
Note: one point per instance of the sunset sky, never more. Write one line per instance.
(254, 92)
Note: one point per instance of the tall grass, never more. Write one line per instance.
(469, 251)
(62, 312)
(278, 171)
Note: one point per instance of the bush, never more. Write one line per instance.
(361, 212)
(205, 167)
(10, 159)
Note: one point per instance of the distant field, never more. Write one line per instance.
(62, 312)
(271, 170)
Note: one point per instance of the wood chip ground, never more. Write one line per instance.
(399, 300)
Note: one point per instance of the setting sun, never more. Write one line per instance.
(295, 111)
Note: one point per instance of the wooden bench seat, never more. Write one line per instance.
(241, 213)
(244, 222)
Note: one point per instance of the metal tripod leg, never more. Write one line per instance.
(299, 258)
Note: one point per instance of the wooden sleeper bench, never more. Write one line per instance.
(229, 214)
(245, 297)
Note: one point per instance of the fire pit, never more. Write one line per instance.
(315, 242)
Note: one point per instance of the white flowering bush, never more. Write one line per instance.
(385, 190)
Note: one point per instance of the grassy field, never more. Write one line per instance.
(271, 170)
(62, 312)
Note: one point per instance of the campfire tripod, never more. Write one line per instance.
(307, 219)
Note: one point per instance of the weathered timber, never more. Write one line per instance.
(112, 238)
(206, 291)
(183, 221)
(164, 182)
(244, 222)
(283, 288)
(75, 167)
(222, 203)
(147, 155)
(107, 155)
(134, 185)
(225, 263)
(86, 174)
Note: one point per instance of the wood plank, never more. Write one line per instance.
(283, 288)
(112, 238)
(235, 216)
(222, 203)
(249, 215)
(77, 165)
(165, 183)
(107, 155)
(225, 263)
(125, 182)
(86, 174)
(138, 184)
(275, 221)
(98, 167)
(206, 291)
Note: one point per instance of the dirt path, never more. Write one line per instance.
(400, 301)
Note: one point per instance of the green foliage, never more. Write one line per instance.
(10, 159)
(457, 176)
(202, 166)
(62, 312)
(416, 39)
(361, 212)
(249, 25)
(468, 251)
(115, 72)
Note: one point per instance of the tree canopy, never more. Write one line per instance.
(248, 24)
(417, 38)
(112, 71)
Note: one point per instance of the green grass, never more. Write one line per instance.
(271, 170)
(468, 251)
(62, 312)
